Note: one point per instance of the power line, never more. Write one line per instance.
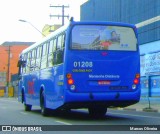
(62, 15)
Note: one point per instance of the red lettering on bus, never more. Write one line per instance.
(31, 87)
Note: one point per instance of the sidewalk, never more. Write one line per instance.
(146, 104)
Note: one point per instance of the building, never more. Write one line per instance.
(9, 54)
(129, 11)
(47, 29)
(145, 14)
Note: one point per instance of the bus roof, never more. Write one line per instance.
(103, 23)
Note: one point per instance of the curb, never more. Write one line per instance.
(150, 110)
(142, 110)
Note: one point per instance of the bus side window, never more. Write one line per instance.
(59, 42)
(28, 62)
(63, 40)
(24, 66)
(55, 45)
(19, 65)
(60, 49)
(38, 57)
(44, 56)
(33, 60)
(50, 53)
(54, 50)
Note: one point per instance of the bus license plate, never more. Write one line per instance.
(118, 87)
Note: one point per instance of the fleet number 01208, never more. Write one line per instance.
(83, 64)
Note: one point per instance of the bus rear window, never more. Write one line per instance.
(97, 37)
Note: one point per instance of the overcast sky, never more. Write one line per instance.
(34, 11)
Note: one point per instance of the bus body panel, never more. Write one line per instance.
(50, 80)
(103, 69)
(53, 86)
(91, 85)
(108, 99)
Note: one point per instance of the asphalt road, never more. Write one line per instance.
(12, 113)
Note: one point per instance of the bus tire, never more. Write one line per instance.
(22, 99)
(97, 111)
(27, 107)
(44, 110)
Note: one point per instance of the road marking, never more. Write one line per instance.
(134, 115)
(65, 123)
(24, 113)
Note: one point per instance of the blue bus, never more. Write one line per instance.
(93, 65)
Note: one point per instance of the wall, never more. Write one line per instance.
(129, 11)
(15, 50)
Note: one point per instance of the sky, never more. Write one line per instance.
(36, 12)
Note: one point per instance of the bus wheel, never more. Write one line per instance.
(27, 107)
(44, 110)
(22, 99)
(97, 111)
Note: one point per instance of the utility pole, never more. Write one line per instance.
(63, 15)
(8, 69)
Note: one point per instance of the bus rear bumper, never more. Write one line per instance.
(108, 99)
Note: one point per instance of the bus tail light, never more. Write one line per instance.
(137, 76)
(69, 76)
(70, 81)
(136, 81)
